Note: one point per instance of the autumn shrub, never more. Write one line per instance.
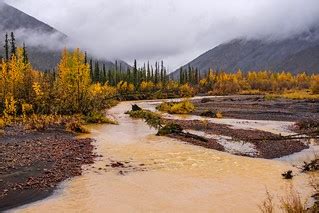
(251, 92)
(41, 122)
(226, 87)
(183, 107)
(267, 206)
(10, 110)
(186, 90)
(292, 202)
(2, 123)
(315, 84)
(77, 126)
(219, 115)
(165, 106)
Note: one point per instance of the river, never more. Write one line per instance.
(167, 175)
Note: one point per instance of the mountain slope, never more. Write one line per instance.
(44, 43)
(299, 53)
(13, 19)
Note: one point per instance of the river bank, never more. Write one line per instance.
(259, 108)
(143, 172)
(32, 164)
(245, 142)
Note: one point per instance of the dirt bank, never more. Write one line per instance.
(258, 108)
(268, 145)
(32, 164)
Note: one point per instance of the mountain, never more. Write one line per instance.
(44, 43)
(296, 54)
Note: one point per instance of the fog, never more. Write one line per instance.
(175, 31)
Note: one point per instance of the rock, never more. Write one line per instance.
(136, 108)
(288, 175)
(117, 165)
(206, 100)
(209, 114)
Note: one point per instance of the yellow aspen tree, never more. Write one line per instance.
(73, 81)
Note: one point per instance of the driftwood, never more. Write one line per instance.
(136, 108)
(312, 166)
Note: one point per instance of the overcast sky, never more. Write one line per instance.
(176, 31)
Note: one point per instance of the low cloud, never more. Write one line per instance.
(173, 30)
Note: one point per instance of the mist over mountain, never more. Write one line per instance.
(299, 53)
(44, 43)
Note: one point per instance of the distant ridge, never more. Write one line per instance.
(297, 54)
(14, 20)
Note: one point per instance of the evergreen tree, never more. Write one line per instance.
(25, 55)
(97, 72)
(85, 58)
(13, 45)
(91, 70)
(135, 74)
(181, 76)
(156, 73)
(6, 47)
(162, 71)
(104, 74)
(148, 71)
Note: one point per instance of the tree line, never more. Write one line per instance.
(82, 86)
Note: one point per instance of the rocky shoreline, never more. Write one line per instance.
(32, 164)
(259, 108)
(268, 145)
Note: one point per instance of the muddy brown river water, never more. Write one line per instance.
(167, 175)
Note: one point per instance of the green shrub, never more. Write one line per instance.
(169, 129)
(151, 118)
(99, 118)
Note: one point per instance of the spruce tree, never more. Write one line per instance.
(25, 54)
(6, 47)
(156, 73)
(85, 58)
(104, 74)
(162, 71)
(91, 70)
(181, 76)
(13, 44)
(135, 73)
(97, 72)
(148, 71)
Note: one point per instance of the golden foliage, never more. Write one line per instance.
(183, 107)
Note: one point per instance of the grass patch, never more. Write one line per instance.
(183, 107)
(251, 92)
(292, 203)
(76, 126)
(294, 95)
(267, 206)
(99, 118)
